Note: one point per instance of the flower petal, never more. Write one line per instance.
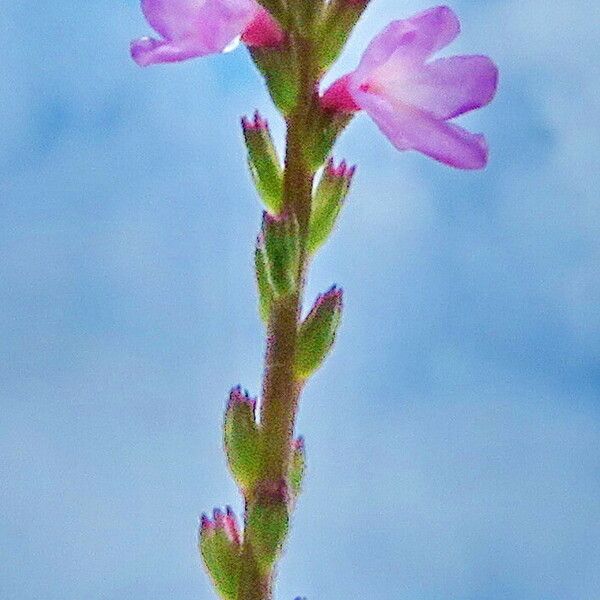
(213, 24)
(408, 128)
(448, 87)
(409, 41)
(148, 51)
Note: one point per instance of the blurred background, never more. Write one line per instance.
(453, 438)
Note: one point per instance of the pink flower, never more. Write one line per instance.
(192, 28)
(411, 100)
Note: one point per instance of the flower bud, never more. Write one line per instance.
(297, 467)
(220, 547)
(280, 244)
(340, 18)
(268, 520)
(241, 439)
(328, 200)
(264, 163)
(317, 333)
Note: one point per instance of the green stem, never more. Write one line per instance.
(281, 390)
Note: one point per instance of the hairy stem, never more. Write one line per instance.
(281, 390)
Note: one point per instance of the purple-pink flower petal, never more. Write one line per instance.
(409, 128)
(410, 41)
(412, 98)
(449, 87)
(191, 28)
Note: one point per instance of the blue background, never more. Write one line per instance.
(454, 437)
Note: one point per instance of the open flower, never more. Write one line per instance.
(192, 28)
(411, 100)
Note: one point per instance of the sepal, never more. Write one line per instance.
(338, 23)
(327, 127)
(264, 163)
(242, 439)
(279, 68)
(279, 241)
(317, 333)
(220, 546)
(328, 200)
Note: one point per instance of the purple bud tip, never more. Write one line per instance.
(257, 123)
(206, 524)
(299, 444)
(342, 170)
(333, 294)
(230, 525)
(218, 517)
(237, 397)
(260, 122)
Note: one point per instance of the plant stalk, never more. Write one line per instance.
(281, 389)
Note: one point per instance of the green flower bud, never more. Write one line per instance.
(219, 544)
(280, 244)
(268, 520)
(317, 333)
(328, 200)
(241, 439)
(264, 163)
